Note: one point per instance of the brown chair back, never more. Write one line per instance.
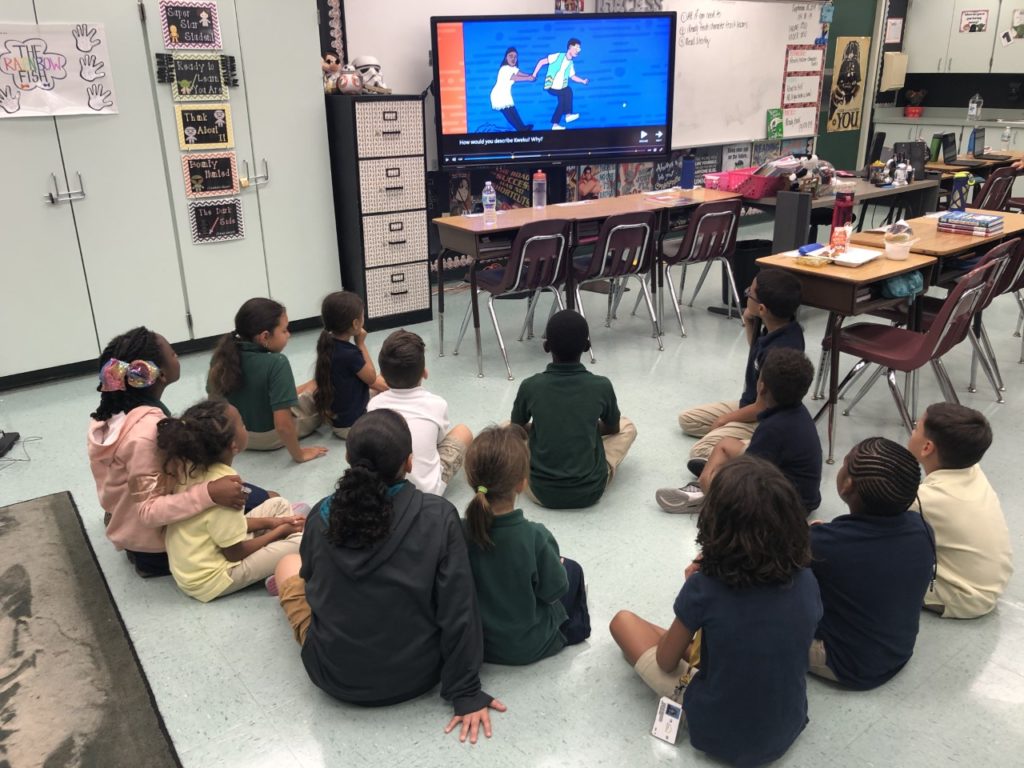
(710, 234)
(625, 246)
(953, 320)
(539, 257)
(995, 192)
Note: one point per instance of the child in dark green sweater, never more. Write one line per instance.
(532, 601)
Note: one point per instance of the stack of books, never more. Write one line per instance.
(971, 223)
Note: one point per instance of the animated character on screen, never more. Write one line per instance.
(589, 186)
(848, 83)
(501, 93)
(556, 81)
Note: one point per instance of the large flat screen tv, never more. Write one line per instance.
(542, 89)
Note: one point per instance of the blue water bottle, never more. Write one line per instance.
(689, 174)
(958, 195)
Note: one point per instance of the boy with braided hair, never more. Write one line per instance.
(873, 567)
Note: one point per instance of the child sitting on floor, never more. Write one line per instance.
(873, 567)
(785, 435)
(532, 602)
(438, 448)
(220, 550)
(755, 603)
(975, 560)
(577, 437)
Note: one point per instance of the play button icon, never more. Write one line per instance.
(643, 134)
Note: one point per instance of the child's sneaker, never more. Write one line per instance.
(271, 584)
(680, 501)
(696, 466)
(300, 509)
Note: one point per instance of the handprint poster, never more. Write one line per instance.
(55, 69)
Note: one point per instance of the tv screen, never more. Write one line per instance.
(535, 89)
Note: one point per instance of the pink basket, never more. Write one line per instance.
(745, 182)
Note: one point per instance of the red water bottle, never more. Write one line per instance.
(842, 216)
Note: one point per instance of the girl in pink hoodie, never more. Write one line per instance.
(136, 495)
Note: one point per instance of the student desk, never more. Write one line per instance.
(474, 237)
(944, 245)
(835, 289)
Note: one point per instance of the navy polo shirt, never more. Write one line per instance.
(351, 394)
(790, 335)
(873, 573)
(788, 439)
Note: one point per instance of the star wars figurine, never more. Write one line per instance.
(369, 68)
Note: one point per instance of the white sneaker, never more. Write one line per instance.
(570, 118)
(680, 501)
(557, 127)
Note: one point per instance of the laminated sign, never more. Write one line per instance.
(846, 101)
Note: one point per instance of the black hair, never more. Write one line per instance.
(961, 434)
(338, 311)
(137, 344)
(253, 318)
(752, 528)
(504, 59)
(885, 476)
(497, 460)
(573, 41)
(567, 336)
(378, 445)
(196, 440)
(787, 375)
(402, 359)
(779, 291)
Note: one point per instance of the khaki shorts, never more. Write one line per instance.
(452, 453)
(292, 595)
(671, 684)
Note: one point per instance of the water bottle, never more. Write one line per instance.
(689, 174)
(489, 198)
(974, 107)
(540, 189)
(842, 216)
(971, 148)
(1007, 138)
(958, 194)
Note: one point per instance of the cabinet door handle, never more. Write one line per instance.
(399, 293)
(390, 133)
(397, 242)
(394, 189)
(938, 67)
(949, 64)
(257, 181)
(56, 197)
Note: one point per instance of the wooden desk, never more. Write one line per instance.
(473, 236)
(931, 242)
(834, 288)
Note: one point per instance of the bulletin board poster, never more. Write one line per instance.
(216, 221)
(846, 101)
(55, 69)
(210, 174)
(190, 24)
(204, 127)
(973, 21)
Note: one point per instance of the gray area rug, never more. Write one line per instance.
(72, 692)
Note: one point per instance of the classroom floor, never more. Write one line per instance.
(230, 685)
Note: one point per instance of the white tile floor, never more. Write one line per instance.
(231, 687)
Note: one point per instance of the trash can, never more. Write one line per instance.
(744, 266)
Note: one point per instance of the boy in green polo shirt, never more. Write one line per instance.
(577, 436)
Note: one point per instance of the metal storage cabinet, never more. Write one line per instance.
(379, 171)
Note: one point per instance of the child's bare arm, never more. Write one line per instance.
(241, 550)
(284, 425)
(673, 645)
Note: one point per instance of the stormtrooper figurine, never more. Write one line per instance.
(369, 69)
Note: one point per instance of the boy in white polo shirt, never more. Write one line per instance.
(972, 543)
(438, 449)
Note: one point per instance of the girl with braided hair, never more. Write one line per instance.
(873, 566)
(381, 595)
(134, 491)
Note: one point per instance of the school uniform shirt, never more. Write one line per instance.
(351, 394)
(873, 573)
(567, 462)
(390, 621)
(518, 584)
(790, 336)
(788, 439)
(195, 546)
(748, 702)
(267, 386)
(975, 559)
(427, 417)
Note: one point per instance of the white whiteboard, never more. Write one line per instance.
(730, 61)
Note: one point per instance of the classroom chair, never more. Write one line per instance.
(710, 237)
(624, 248)
(995, 192)
(538, 261)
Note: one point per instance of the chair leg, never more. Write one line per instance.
(650, 310)
(579, 308)
(819, 384)
(944, 381)
(621, 282)
(859, 371)
(986, 344)
(682, 282)
(863, 390)
(700, 282)
(943, 385)
(670, 291)
(901, 405)
(465, 325)
(497, 332)
(983, 359)
(531, 305)
(734, 294)
(1020, 313)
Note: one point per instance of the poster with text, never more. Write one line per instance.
(846, 101)
(55, 69)
(973, 21)
(635, 177)
(667, 172)
(190, 24)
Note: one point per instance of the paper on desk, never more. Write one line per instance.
(578, 202)
(854, 257)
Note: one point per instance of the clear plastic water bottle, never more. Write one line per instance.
(974, 107)
(540, 189)
(1006, 139)
(489, 198)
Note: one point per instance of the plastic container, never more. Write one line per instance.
(974, 107)
(899, 251)
(489, 200)
(1006, 139)
(842, 216)
(745, 182)
(540, 189)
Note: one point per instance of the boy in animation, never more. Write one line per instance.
(556, 82)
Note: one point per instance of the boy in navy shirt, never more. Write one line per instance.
(873, 566)
(785, 435)
(770, 322)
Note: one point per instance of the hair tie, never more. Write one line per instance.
(236, 336)
(365, 464)
(482, 489)
(117, 375)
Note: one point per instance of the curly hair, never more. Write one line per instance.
(253, 318)
(752, 528)
(498, 459)
(338, 311)
(198, 439)
(885, 476)
(137, 344)
(378, 444)
(787, 375)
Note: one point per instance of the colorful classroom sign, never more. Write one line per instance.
(216, 220)
(204, 127)
(55, 69)
(190, 24)
(210, 174)
(196, 76)
(846, 100)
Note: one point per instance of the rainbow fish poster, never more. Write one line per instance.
(55, 69)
